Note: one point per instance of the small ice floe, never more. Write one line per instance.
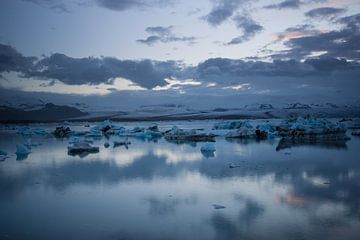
(106, 145)
(208, 150)
(218, 206)
(233, 165)
(62, 132)
(82, 149)
(3, 155)
(177, 134)
(242, 132)
(356, 133)
(22, 151)
(125, 143)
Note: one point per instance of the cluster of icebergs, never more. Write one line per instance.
(291, 132)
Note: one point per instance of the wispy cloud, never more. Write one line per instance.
(248, 26)
(164, 35)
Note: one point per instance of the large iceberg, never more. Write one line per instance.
(305, 131)
(177, 134)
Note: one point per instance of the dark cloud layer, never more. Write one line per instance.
(248, 27)
(164, 35)
(343, 43)
(282, 68)
(325, 12)
(76, 71)
(12, 60)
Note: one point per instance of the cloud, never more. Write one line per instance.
(325, 12)
(248, 27)
(296, 32)
(51, 4)
(292, 4)
(342, 43)
(221, 11)
(122, 5)
(164, 35)
(218, 69)
(12, 60)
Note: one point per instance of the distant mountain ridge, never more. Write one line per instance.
(49, 112)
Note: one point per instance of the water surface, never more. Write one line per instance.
(163, 190)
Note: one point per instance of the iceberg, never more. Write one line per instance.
(61, 132)
(121, 143)
(107, 127)
(82, 149)
(232, 125)
(177, 134)
(208, 150)
(22, 151)
(311, 131)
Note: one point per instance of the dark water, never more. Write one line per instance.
(162, 190)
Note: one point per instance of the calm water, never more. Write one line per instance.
(162, 190)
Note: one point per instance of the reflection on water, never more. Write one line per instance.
(162, 190)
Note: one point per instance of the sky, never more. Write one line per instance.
(142, 51)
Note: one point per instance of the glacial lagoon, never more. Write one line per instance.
(156, 189)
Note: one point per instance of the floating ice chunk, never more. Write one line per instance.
(218, 206)
(82, 149)
(22, 151)
(107, 127)
(61, 132)
(232, 125)
(233, 165)
(125, 143)
(208, 147)
(177, 134)
(241, 133)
